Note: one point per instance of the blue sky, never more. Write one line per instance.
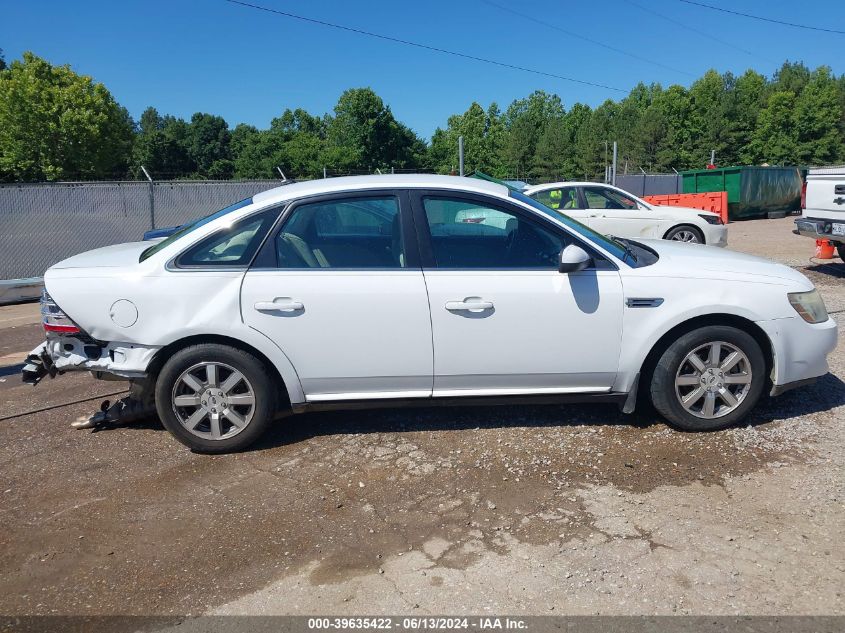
(184, 56)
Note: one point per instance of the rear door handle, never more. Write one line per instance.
(468, 304)
(279, 306)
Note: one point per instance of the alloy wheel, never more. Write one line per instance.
(685, 235)
(713, 379)
(213, 400)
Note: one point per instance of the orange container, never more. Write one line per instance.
(824, 249)
(715, 201)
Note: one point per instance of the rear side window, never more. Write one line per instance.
(356, 232)
(183, 230)
(235, 246)
(557, 199)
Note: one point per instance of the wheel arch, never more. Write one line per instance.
(683, 225)
(739, 322)
(161, 356)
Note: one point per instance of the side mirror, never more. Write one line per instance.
(574, 258)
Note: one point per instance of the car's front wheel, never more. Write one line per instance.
(709, 378)
(685, 234)
(214, 398)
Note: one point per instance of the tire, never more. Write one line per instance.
(840, 249)
(743, 381)
(242, 406)
(685, 233)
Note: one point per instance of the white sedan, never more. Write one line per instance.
(390, 290)
(612, 211)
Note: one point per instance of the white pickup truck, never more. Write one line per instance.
(823, 206)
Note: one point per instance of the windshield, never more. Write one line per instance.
(190, 226)
(612, 246)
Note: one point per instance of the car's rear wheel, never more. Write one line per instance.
(685, 233)
(214, 398)
(709, 378)
(840, 249)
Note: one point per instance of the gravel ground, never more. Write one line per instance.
(520, 510)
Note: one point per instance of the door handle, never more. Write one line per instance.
(456, 306)
(279, 306)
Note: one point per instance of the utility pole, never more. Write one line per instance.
(713, 157)
(461, 155)
(613, 174)
(152, 198)
(606, 166)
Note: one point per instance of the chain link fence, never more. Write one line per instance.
(43, 223)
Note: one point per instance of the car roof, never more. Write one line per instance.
(386, 181)
(569, 183)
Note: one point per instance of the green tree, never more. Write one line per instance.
(791, 77)
(249, 154)
(525, 121)
(748, 99)
(708, 120)
(56, 124)
(161, 147)
(775, 138)
(817, 117)
(2, 60)
(553, 149)
(364, 134)
(208, 146)
(299, 139)
(483, 134)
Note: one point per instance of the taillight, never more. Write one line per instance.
(53, 319)
(803, 195)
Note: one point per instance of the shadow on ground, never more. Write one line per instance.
(824, 395)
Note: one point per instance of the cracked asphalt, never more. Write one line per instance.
(519, 510)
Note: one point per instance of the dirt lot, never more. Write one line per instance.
(522, 510)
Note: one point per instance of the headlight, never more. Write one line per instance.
(711, 219)
(809, 305)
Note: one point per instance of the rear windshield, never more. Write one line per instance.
(190, 226)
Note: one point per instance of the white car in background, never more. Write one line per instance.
(378, 291)
(612, 211)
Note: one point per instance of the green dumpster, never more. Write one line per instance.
(753, 192)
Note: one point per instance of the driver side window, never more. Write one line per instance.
(601, 198)
(466, 234)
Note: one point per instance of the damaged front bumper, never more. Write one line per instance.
(56, 355)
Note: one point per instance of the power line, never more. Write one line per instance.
(585, 38)
(758, 17)
(424, 46)
(693, 29)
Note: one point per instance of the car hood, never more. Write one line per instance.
(107, 257)
(700, 261)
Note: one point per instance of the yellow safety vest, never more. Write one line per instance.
(556, 196)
